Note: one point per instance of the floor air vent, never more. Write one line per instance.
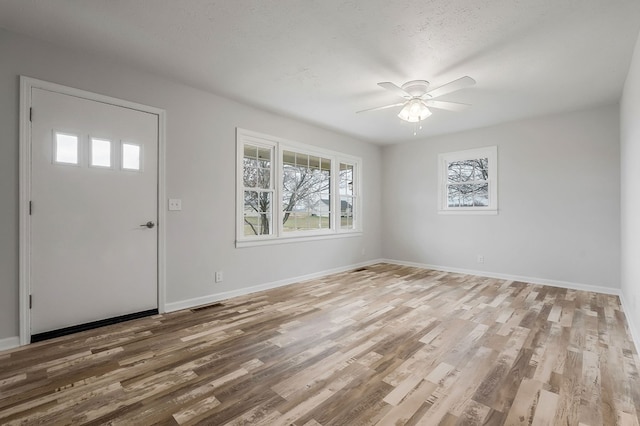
(359, 270)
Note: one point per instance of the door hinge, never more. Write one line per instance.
(30, 114)
(30, 207)
(30, 301)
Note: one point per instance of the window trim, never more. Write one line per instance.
(490, 152)
(278, 146)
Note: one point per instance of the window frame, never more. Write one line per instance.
(242, 189)
(278, 235)
(354, 196)
(297, 149)
(444, 159)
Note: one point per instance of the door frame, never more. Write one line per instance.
(26, 86)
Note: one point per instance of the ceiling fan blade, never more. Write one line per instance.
(382, 107)
(452, 86)
(449, 106)
(395, 89)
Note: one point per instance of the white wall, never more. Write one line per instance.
(200, 171)
(559, 201)
(630, 192)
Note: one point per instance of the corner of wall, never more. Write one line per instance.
(633, 329)
(629, 204)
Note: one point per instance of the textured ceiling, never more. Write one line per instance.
(319, 61)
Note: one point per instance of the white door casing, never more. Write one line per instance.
(84, 255)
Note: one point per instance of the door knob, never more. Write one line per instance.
(149, 224)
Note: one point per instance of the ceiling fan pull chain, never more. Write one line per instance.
(417, 126)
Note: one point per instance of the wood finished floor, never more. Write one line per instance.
(388, 345)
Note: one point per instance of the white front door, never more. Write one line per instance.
(94, 187)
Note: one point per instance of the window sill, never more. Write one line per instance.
(298, 239)
(469, 212)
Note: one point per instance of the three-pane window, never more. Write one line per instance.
(291, 190)
(85, 150)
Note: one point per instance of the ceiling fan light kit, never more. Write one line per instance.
(418, 98)
(413, 111)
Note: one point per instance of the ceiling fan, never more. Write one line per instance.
(418, 98)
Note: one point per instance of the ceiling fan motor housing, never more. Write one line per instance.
(416, 88)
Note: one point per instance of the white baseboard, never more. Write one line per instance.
(212, 298)
(635, 333)
(531, 280)
(9, 343)
(216, 297)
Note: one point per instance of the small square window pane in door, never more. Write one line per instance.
(130, 156)
(100, 152)
(66, 148)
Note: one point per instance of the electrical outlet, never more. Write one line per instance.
(480, 259)
(363, 251)
(219, 276)
(175, 204)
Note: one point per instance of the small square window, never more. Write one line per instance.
(130, 156)
(66, 148)
(468, 181)
(100, 152)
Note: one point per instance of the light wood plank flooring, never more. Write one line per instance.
(387, 345)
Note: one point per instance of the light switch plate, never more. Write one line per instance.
(175, 204)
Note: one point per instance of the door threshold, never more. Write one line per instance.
(39, 337)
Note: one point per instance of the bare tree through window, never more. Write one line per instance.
(467, 183)
(306, 197)
(306, 181)
(258, 190)
(287, 190)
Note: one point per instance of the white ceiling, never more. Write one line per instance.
(320, 60)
